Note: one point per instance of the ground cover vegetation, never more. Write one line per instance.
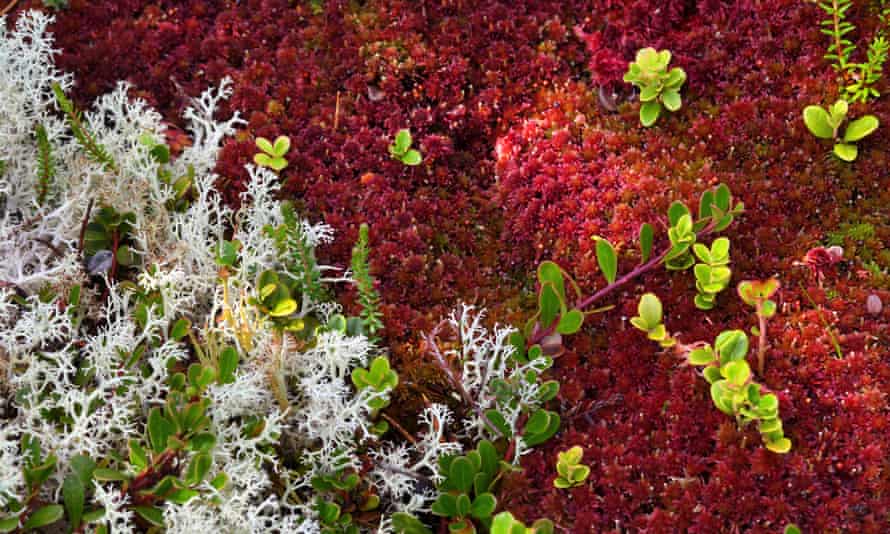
(355, 266)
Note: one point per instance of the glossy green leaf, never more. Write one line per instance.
(861, 127)
(412, 157)
(846, 152)
(159, 430)
(607, 259)
(180, 329)
(461, 474)
(671, 100)
(43, 516)
(404, 523)
(73, 496)
(649, 310)
(570, 322)
(281, 146)
(228, 362)
(779, 446)
(549, 304)
(153, 515)
(649, 112)
(483, 506)
(818, 122)
(265, 145)
(647, 235)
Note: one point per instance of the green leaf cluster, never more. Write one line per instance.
(726, 369)
(380, 378)
(571, 472)
(505, 523)
(276, 300)
(658, 86)
(716, 212)
(183, 187)
(466, 493)
(825, 124)
(347, 495)
(711, 273)
(401, 150)
(553, 308)
(271, 154)
(108, 241)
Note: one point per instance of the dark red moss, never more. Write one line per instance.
(531, 146)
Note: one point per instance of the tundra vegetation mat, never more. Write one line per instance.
(534, 179)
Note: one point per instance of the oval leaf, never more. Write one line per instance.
(818, 122)
(607, 259)
(860, 128)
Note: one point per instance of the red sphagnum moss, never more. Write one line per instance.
(531, 145)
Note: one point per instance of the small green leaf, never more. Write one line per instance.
(791, 529)
(103, 474)
(607, 259)
(159, 430)
(180, 329)
(402, 142)
(483, 506)
(647, 235)
(228, 362)
(284, 308)
(861, 127)
(138, 456)
(412, 157)
(282, 145)
(570, 322)
(153, 515)
(445, 505)
(737, 372)
(649, 112)
(550, 272)
(549, 304)
(461, 474)
(779, 446)
(701, 356)
(46, 515)
(677, 211)
(846, 152)
(818, 122)
(73, 491)
(265, 145)
(649, 310)
(404, 523)
(671, 100)
(9, 524)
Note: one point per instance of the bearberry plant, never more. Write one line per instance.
(724, 366)
(658, 86)
(825, 124)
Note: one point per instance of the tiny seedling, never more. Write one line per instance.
(571, 472)
(712, 274)
(272, 154)
(401, 150)
(825, 124)
(658, 86)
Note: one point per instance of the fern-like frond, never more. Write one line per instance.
(94, 150)
(367, 295)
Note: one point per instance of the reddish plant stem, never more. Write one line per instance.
(761, 344)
